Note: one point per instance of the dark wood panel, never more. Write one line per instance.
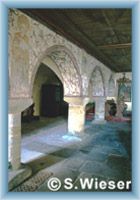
(92, 28)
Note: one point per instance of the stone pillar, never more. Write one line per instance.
(99, 108)
(16, 106)
(76, 114)
(14, 142)
(76, 118)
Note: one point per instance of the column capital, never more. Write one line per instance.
(99, 97)
(75, 100)
(17, 105)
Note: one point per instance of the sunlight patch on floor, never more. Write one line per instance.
(71, 138)
(28, 155)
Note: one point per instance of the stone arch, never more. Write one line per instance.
(67, 66)
(111, 86)
(96, 83)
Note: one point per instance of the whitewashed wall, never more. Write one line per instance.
(30, 42)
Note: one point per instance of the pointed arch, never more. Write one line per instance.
(66, 65)
(111, 87)
(96, 83)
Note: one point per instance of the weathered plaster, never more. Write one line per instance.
(72, 84)
(96, 83)
(30, 43)
(111, 87)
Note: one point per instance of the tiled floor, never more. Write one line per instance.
(103, 151)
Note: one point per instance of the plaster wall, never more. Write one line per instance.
(29, 44)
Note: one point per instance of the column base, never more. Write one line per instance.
(18, 176)
(99, 121)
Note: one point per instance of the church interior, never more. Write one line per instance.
(70, 97)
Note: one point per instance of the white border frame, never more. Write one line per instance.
(4, 6)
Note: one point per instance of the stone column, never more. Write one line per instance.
(76, 114)
(16, 106)
(14, 142)
(99, 108)
(76, 118)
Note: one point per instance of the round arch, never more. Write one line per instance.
(66, 68)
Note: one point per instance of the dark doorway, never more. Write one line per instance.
(52, 104)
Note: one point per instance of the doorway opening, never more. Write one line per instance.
(48, 105)
(47, 116)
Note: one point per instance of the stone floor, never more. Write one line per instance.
(102, 151)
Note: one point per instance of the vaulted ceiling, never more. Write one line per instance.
(103, 33)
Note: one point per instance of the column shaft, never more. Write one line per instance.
(76, 118)
(76, 114)
(14, 140)
(99, 108)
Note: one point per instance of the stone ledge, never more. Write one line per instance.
(16, 177)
